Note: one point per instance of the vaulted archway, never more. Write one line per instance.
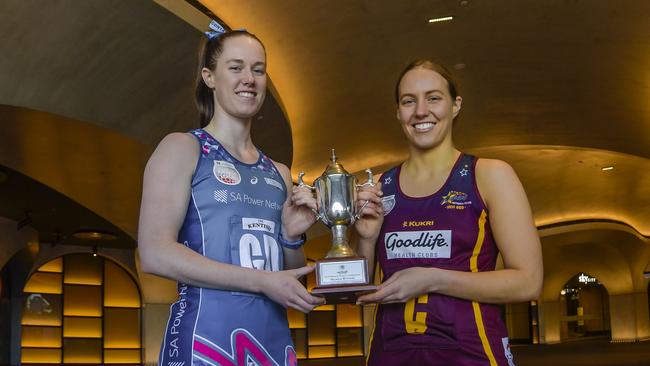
(82, 309)
(584, 308)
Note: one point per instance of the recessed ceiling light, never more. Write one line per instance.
(441, 19)
(606, 168)
(94, 235)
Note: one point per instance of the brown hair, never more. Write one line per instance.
(433, 66)
(211, 49)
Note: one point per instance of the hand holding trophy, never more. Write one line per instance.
(342, 275)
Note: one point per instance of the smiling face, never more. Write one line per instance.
(239, 78)
(425, 108)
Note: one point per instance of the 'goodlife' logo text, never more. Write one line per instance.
(418, 244)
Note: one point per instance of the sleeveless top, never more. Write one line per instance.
(233, 216)
(448, 229)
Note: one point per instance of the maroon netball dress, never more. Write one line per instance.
(450, 230)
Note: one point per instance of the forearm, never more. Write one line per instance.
(177, 262)
(497, 287)
(293, 258)
(366, 248)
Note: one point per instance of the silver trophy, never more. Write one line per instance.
(342, 275)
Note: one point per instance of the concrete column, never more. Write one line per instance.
(623, 314)
(12, 241)
(642, 315)
(549, 322)
(517, 320)
(16, 331)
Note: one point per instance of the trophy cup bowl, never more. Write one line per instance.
(342, 275)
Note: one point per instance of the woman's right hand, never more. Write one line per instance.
(372, 215)
(285, 288)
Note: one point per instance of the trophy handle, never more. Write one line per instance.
(301, 183)
(369, 183)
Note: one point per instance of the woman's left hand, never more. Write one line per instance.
(401, 286)
(297, 214)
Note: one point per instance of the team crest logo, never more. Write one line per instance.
(226, 173)
(455, 198)
(389, 203)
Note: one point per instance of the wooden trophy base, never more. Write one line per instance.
(342, 294)
(342, 280)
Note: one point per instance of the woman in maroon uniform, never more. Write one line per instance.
(443, 219)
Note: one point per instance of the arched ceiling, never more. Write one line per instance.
(567, 184)
(609, 252)
(87, 89)
(99, 170)
(559, 89)
(127, 66)
(569, 73)
(57, 219)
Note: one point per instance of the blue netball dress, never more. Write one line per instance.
(449, 229)
(234, 216)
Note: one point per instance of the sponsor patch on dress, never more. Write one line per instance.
(221, 196)
(226, 173)
(389, 203)
(418, 244)
(274, 183)
(249, 223)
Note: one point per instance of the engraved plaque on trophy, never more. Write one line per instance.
(342, 275)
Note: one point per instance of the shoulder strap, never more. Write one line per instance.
(462, 184)
(388, 180)
(268, 165)
(462, 177)
(207, 143)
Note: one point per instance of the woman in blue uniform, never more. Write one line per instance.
(223, 220)
(436, 233)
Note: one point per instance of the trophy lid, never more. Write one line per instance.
(334, 167)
